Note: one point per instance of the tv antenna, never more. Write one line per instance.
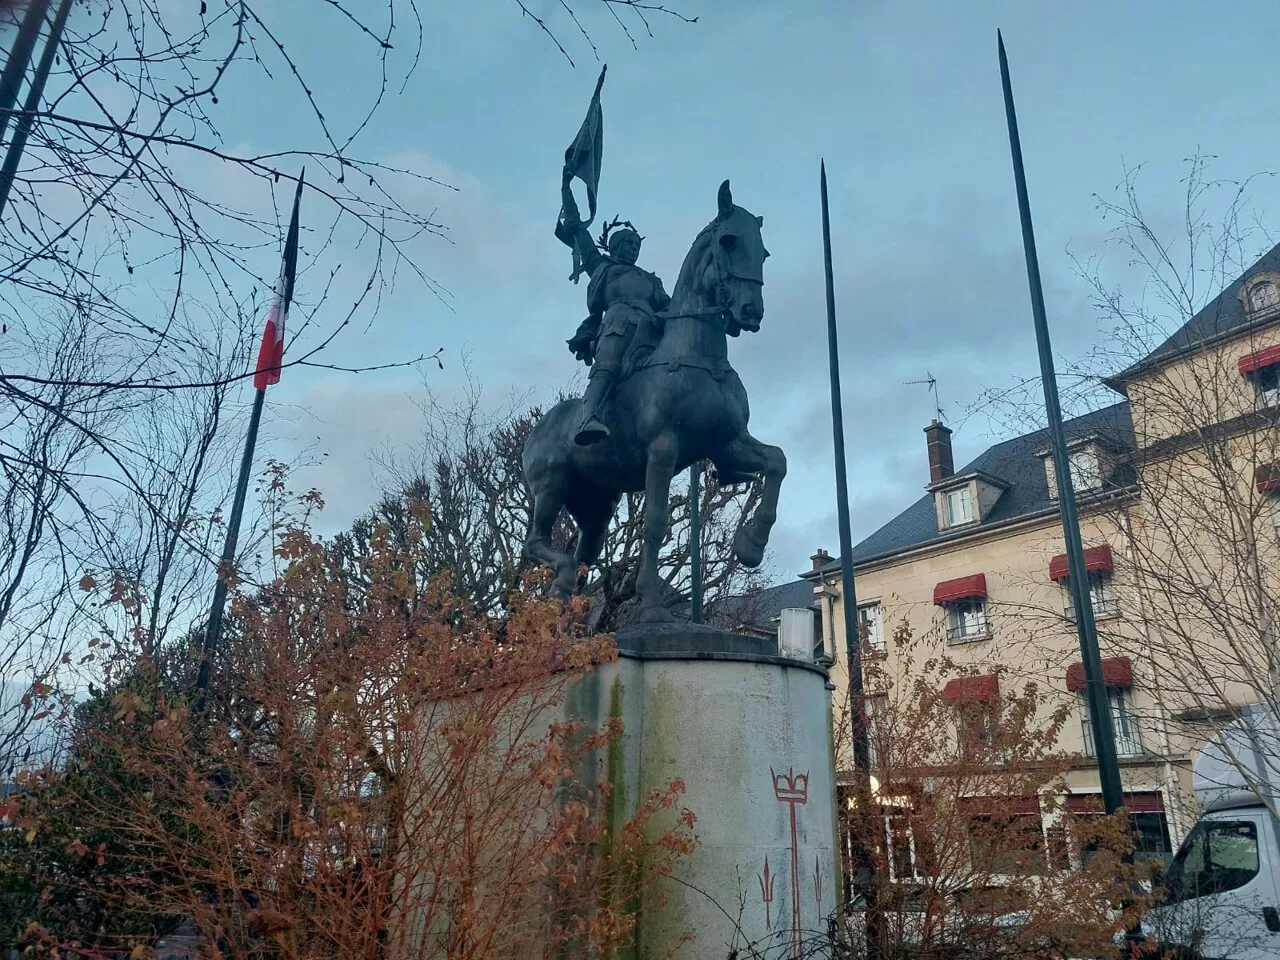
(932, 383)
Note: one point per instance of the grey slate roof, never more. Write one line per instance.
(761, 608)
(1222, 315)
(1013, 461)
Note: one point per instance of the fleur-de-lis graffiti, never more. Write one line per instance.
(817, 883)
(766, 893)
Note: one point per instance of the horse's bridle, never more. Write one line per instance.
(724, 273)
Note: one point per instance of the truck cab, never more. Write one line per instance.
(1220, 895)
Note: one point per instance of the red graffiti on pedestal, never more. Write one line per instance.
(766, 893)
(792, 789)
(817, 884)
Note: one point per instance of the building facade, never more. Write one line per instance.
(1178, 489)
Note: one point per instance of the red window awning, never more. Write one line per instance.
(1266, 477)
(1116, 672)
(1096, 559)
(1141, 802)
(973, 587)
(984, 688)
(1257, 361)
(999, 806)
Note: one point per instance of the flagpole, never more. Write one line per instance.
(36, 91)
(270, 356)
(848, 593)
(15, 68)
(227, 565)
(1086, 629)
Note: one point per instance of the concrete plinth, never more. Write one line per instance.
(749, 733)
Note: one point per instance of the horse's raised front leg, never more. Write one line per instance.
(747, 455)
(657, 492)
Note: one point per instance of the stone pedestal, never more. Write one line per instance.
(749, 733)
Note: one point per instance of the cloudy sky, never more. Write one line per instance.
(903, 101)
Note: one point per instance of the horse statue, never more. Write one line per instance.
(677, 405)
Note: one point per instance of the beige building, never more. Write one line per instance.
(1177, 486)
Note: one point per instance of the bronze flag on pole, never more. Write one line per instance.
(582, 159)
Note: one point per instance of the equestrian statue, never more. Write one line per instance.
(661, 394)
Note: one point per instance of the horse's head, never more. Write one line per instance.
(735, 267)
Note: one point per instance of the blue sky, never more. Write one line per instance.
(903, 101)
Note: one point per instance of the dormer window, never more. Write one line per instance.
(1263, 295)
(959, 506)
(1262, 370)
(1086, 468)
(966, 499)
(1091, 460)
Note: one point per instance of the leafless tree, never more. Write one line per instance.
(468, 470)
(1201, 544)
(1191, 512)
(138, 243)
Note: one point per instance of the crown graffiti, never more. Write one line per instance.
(791, 787)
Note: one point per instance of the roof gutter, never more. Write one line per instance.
(1001, 527)
(1119, 382)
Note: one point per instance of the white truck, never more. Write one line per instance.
(1220, 895)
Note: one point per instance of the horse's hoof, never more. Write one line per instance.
(656, 614)
(748, 548)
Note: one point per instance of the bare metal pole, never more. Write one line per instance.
(848, 595)
(23, 130)
(15, 68)
(1087, 630)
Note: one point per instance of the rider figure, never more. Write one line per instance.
(621, 299)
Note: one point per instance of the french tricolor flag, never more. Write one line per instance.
(271, 353)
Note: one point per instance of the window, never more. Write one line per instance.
(959, 507)
(1150, 830)
(1010, 844)
(1086, 469)
(901, 842)
(871, 626)
(1059, 847)
(1267, 384)
(967, 620)
(877, 726)
(1150, 836)
(1101, 592)
(976, 723)
(1123, 721)
(1218, 856)
(1264, 295)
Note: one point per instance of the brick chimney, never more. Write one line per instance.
(941, 464)
(820, 559)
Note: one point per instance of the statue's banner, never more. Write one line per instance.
(583, 155)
